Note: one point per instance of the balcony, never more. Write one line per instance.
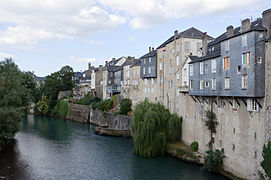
(183, 89)
(113, 88)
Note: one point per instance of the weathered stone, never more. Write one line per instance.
(78, 112)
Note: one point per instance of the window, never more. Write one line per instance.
(260, 35)
(238, 69)
(226, 63)
(187, 46)
(213, 65)
(201, 85)
(178, 92)
(144, 61)
(246, 58)
(161, 65)
(259, 61)
(178, 76)
(227, 45)
(178, 46)
(149, 59)
(191, 84)
(206, 68)
(152, 81)
(149, 90)
(235, 105)
(170, 84)
(206, 84)
(198, 48)
(213, 84)
(227, 83)
(149, 70)
(201, 67)
(161, 54)
(191, 69)
(244, 81)
(252, 105)
(152, 90)
(145, 90)
(244, 40)
(144, 71)
(177, 60)
(170, 68)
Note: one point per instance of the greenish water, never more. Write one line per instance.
(49, 148)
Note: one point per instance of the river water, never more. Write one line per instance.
(49, 148)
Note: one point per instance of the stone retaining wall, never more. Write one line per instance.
(78, 112)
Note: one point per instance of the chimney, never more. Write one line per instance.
(152, 48)
(204, 44)
(149, 49)
(89, 66)
(266, 22)
(229, 31)
(106, 62)
(100, 67)
(176, 34)
(245, 25)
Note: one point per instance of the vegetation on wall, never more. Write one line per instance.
(125, 106)
(266, 163)
(17, 89)
(211, 123)
(87, 100)
(194, 146)
(61, 109)
(213, 160)
(151, 129)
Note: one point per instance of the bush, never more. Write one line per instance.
(117, 113)
(213, 161)
(194, 146)
(266, 163)
(115, 99)
(42, 106)
(61, 109)
(103, 106)
(125, 106)
(151, 130)
(87, 100)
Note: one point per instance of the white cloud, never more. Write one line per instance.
(35, 21)
(82, 60)
(6, 55)
(94, 42)
(147, 13)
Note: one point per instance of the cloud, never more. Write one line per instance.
(144, 14)
(82, 60)
(131, 38)
(94, 42)
(35, 21)
(6, 55)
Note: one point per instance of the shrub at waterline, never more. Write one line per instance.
(61, 109)
(150, 128)
(266, 163)
(194, 146)
(125, 106)
(213, 160)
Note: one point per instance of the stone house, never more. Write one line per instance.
(97, 81)
(233, 80)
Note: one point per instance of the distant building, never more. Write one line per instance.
(39, 80)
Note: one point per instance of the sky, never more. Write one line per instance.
(43, 36)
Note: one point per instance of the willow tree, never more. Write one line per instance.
(211, 123)
(151, 129)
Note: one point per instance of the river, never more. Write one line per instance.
(50, 148)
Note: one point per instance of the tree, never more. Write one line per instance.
(42, 105)
(211, 123)
(16, 91)
(266, 163)
(151, 129)
(213, 161)
(125, 106)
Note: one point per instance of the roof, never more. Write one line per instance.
(255, 26)
(149, 54)
(203, 58)
(136, 63)
(189, 33)
(37, 78)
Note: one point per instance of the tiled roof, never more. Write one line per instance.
(189, 33)
(149, 54)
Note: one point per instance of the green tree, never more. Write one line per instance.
(61, 109)
(125, 106)
(266, 163)
(213, 161)
(150, 129)
(211, 123)
(42, 105)
(16, 91)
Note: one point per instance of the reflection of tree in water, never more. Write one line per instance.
(11, 165)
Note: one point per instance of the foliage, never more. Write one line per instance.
(42, 105)
(57, 81)
(117, 113)
(61, 109)
(211, 123)
(175, 126)
(125, 106)
(194, 146)
(213, 161)
(150, 128)
(16, 91)
(266, 163)
(115, 99)
(87, 100)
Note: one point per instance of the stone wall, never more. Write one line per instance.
(63, 94)
(78, 112)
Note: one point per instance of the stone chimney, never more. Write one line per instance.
(229, 31)
(176, 34)
(152, 48)
(89, 66)
(149, 49)
(245, 25)
(106, 62)
(204, 44)
(100, 67)
(266, 21)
